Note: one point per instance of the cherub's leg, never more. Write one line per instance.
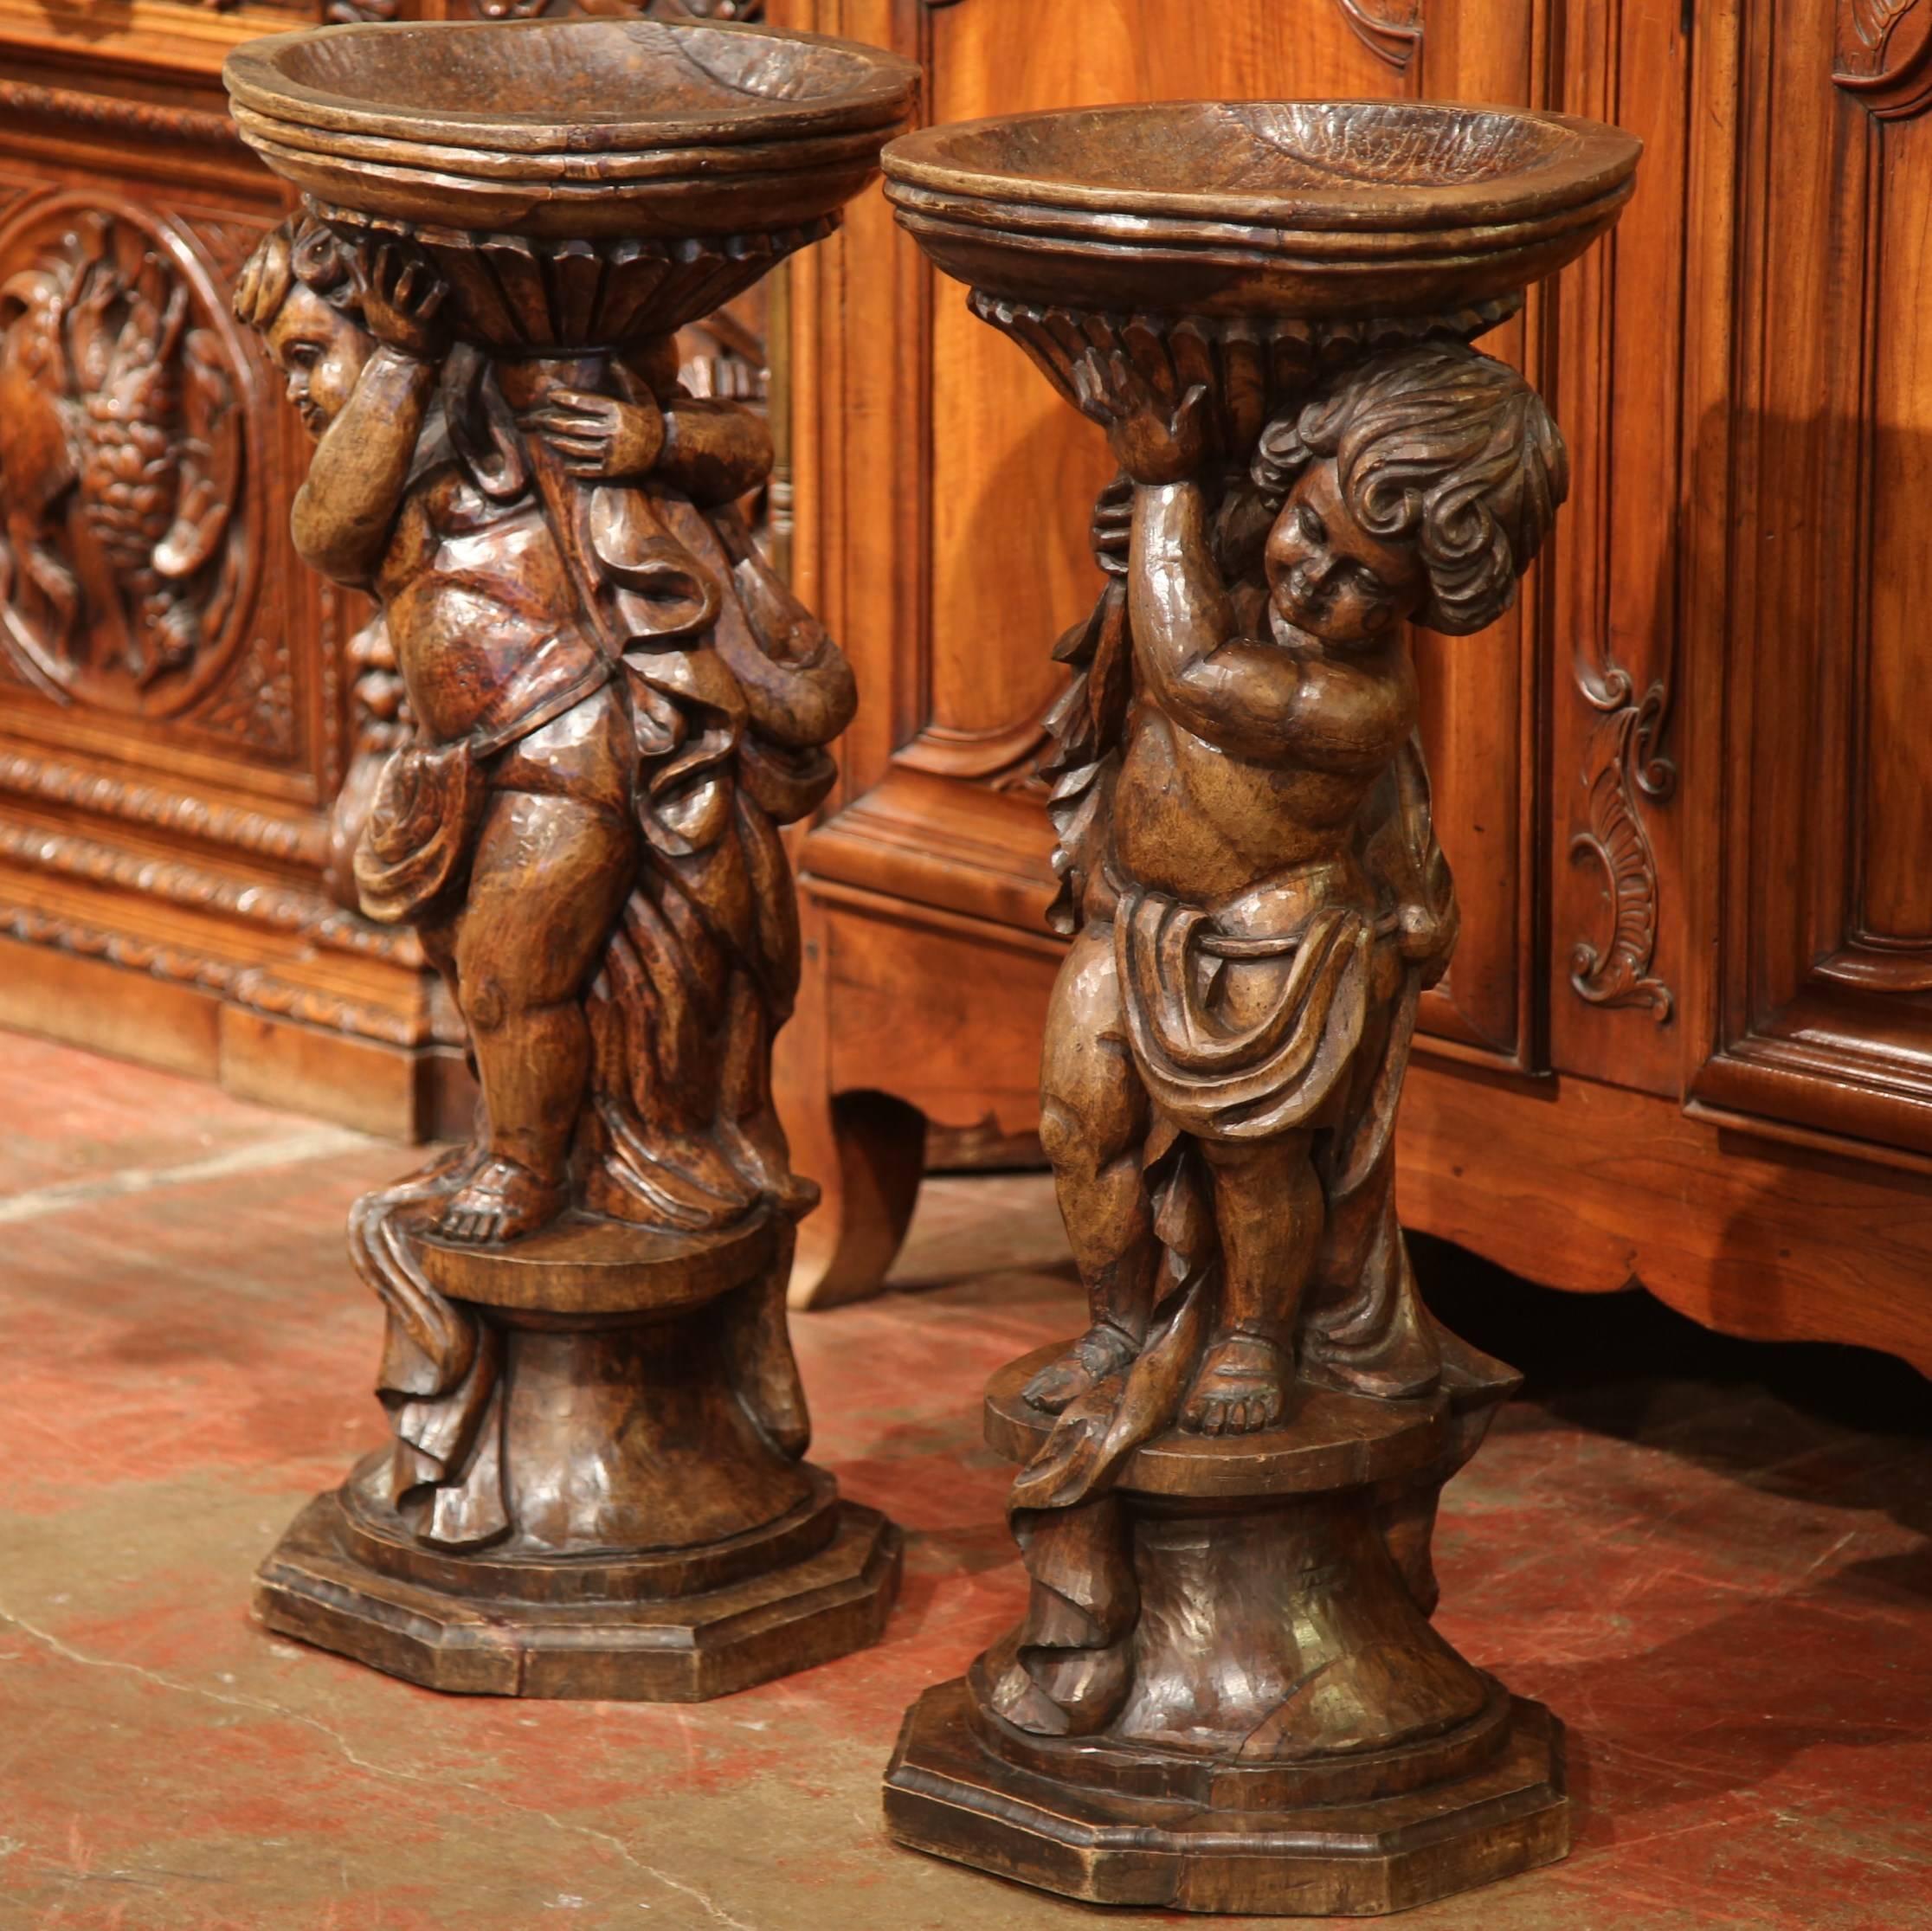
(1268, 1212)
(1094, 1121)
(546, 882)
(438, 939)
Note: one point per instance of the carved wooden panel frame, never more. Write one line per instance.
(182, 211)
(945, 812)
(1619, 325)
(1820, 1014)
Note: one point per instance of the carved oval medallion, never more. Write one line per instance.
(125, 569)
(1885, 55)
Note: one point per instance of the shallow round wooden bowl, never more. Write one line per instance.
(1295, 208)
(572, 130)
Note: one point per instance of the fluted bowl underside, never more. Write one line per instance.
(560, 128)
(1284, 208)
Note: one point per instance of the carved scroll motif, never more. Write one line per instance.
(124, 560)
(1618, 973)
(1885, 55)
(1390, 29)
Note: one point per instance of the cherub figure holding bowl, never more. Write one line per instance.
(594, 656)
(614, 706)
(1262, 899)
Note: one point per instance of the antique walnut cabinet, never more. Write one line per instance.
(1687, 1038)
(181, 707)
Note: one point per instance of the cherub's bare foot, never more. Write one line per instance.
(1240, 1389)
(501, 1201)
(1104, 1350)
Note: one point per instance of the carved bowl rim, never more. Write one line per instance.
(1579, 162)
(882, 88)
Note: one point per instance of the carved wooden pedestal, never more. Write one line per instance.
(664, 1546)
(1298, 1739)
(1226, 1694)
(597, 1486)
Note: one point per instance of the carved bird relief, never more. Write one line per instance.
(120, 457)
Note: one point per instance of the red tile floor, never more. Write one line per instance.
(1711, 1558)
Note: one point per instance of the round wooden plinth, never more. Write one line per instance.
(948, 1794)
(678, 1649)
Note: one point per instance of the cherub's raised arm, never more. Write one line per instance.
(1256, 699)
(343, 514)
(1238, 693)
(1186, 640)
(715, 452)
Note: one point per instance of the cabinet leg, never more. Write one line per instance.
(866, 1150)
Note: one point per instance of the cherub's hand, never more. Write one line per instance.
(602, 436)
(1154, 438)
(402, 297)
(1111, 533)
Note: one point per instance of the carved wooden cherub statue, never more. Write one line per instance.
(615, 705)
(1261, 901)
(1227, 1693)
(607, 708)
(514, 829)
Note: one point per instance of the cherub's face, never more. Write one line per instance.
(1328, 576)
(322, 352)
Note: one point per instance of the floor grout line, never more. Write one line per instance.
(318, 1142)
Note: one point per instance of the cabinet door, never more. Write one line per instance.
(942, 489)
(1820, 1012)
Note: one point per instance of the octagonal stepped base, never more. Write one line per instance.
(948, 1795)
(1277, 1727)
(664, 1649)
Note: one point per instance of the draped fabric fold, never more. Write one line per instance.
(1327, 1053)
(440, 1376)
(1251, 1082)
(703, 968)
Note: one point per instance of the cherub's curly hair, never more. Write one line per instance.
(300, 249)
(1442, 445)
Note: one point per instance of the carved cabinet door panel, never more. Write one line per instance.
(1821, 1008)
(176, 711)
(1618, 335)
(135, 432)
(1684, 787)
(937, 484)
